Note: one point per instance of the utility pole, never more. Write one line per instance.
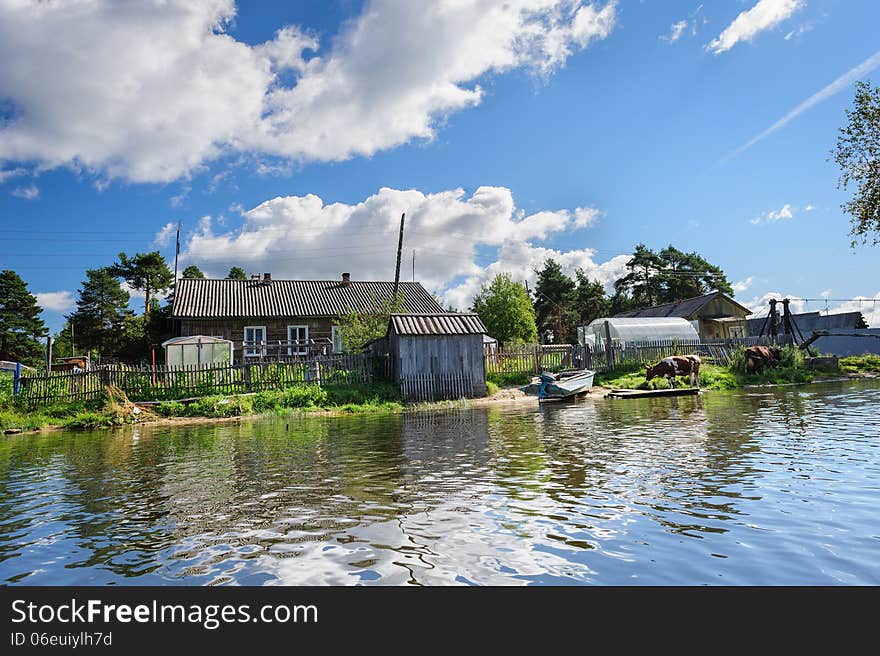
(399, 251)
(176, 254)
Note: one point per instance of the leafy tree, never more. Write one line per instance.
(358, 328)
(506, 309)
(236, 273)
(20, 324)
(590, 299)
(145, 271)
(555, 297)
(192, 271)
(101, 310)
(858, 155)
(666, 277)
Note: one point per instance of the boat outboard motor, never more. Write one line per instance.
(546, 379)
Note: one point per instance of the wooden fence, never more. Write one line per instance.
(171, 383)
(436, 387)
(534, 359)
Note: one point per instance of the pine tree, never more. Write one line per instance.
(192, 271)
(145, 271)
(590, 299)
(101, 310)
(555, 303)
(20, 324)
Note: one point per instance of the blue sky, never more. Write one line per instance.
(508, 132)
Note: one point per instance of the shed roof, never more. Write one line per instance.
(686, 308)
(196, 298)
(446, 323)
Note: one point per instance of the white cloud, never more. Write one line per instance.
(809, 208)
(55, 301)
(826, 293)
(742, 285)
(8, 174)
(452, 233)
(176, 91)
(31, 192)
(748, 24)
(675, 32)
(774, 216)
(835, 87)
(164, 236)
(799, 31)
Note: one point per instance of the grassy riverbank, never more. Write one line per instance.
(117, 410)
(791, 368)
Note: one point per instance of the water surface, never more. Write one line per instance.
(773, 486)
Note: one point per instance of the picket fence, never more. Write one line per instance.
(434, 387)
(145, 383)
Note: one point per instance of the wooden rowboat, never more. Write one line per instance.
(562, 386)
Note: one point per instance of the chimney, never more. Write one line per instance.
(255, 276)
(267, 277)
(346, 279)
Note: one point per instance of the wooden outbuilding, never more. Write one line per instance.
(438, 356)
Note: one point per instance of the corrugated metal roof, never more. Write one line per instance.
(446, 323)
(222, 298)
(686, 308)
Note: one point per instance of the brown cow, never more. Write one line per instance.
(758, 357)
(676, 365)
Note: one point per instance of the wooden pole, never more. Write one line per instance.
(399, 251)
(49, 341)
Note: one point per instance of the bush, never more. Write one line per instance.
(220, 406)
(491, 388)
(171, 409)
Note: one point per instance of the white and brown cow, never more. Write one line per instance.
(676, 365)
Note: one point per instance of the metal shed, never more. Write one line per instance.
(438, 356)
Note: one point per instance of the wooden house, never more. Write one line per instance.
(266, 317)
(438, 355)
(714, 315)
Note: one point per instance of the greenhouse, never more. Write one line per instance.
(197, 350)
(625, 331)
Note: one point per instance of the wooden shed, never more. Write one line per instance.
(438, 356)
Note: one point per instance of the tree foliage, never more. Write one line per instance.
(192, 271)
(236, 273)
(668, 276)
(21, 326)
(147, 272)
(858, 155)
(555, 298)
(358, 328)
(505, 308)
(101, 310)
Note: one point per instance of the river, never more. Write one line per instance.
(767, 486)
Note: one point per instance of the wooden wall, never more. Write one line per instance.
(439, 356)
(276, 329)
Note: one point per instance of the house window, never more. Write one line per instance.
(336, 336)
(298, 336)
(254, 341)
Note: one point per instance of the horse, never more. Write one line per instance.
(676, 365)
(758, 357)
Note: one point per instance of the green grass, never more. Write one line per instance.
(860, 364)
(509, 378)
(491, 388)
(383, 397)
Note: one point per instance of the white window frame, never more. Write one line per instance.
(298, 350)
(336, 334)
(251, 351)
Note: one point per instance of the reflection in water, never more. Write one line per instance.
(770, 486)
